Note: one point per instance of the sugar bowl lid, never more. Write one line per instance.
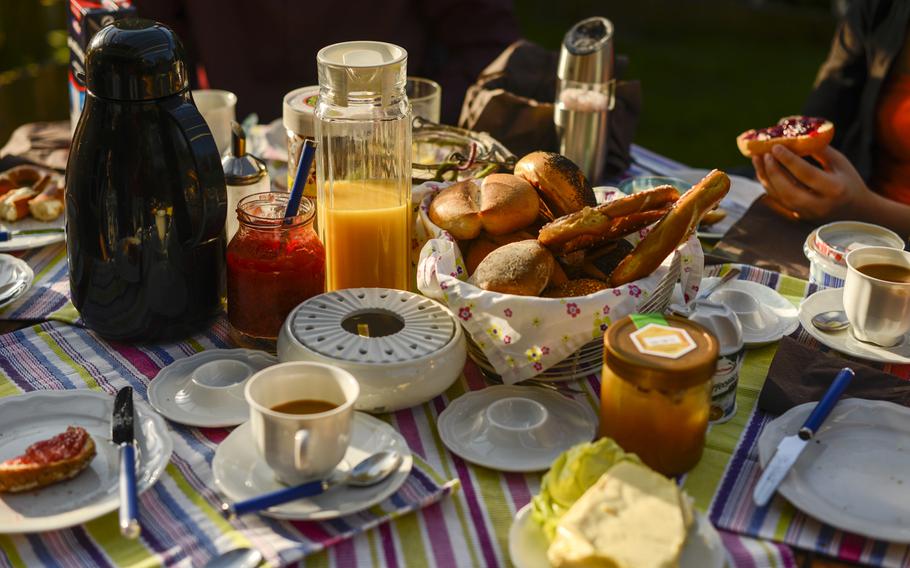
(135, 60)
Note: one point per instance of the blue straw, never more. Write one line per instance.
(303, 171)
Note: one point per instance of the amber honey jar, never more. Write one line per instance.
(656, 389)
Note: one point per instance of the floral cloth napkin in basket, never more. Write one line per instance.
(523, 336)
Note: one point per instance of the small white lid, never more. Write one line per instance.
(362, 66)
(722, 322)
(843, 236)
(298, 110)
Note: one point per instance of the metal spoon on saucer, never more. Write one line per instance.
(833, 320)
(370, 471)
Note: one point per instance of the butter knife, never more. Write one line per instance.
(791, 447)
(122, 434)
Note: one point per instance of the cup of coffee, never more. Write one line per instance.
(301, 415)
(877, 294)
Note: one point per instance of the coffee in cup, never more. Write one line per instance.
(877, 295)
(301, 415)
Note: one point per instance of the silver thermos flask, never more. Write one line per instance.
(584, 94)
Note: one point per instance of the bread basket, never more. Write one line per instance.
(521, 337)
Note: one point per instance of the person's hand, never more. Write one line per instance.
(805, 191)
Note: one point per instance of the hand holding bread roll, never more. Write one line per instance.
(673, 229)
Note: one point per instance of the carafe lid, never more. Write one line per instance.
(135, 60)
(374, 67)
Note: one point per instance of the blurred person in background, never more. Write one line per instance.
(864, 89)
(261, 50)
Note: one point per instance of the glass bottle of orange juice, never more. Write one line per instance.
(363, 165)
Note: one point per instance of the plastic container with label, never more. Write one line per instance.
(656, 389)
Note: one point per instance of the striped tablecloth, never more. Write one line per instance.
(468, 529)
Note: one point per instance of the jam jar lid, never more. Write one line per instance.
(660, 352)
(135, 60)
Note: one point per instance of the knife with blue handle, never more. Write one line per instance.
(791, 447)
(122, 435)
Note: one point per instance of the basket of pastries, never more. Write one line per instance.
(535, 269)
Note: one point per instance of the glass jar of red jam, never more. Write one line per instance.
(272, 266)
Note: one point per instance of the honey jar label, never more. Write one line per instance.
(662, 340)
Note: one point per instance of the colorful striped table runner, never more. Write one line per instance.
(733, 509)
(48, 298)
(468, 529)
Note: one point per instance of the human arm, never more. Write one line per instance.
(832, 191)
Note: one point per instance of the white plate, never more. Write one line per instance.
(743, 193)
(212, 408)
(16, 277)
(786, 314)
(240, 473)
(855, 475)
(468, 427)
(843, 341)
(28, 418)
(528, 544)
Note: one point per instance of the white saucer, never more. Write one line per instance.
(843, 341)
(240, 473)
(16, 277)
(515, 428)
(206, 389)
(528, 544)
(778, 318)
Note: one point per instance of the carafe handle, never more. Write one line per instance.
(209, 174)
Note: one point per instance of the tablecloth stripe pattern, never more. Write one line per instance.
(48, 297)
(180, 517)
(732, 508)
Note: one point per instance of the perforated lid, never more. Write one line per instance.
(372, 325)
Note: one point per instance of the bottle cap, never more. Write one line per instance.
(369, 67)
(241, 168)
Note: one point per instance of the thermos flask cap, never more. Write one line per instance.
(135, 60)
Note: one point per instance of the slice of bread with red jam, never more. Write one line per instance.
(803, 135)
(49, 461)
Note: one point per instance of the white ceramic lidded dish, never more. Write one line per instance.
(404, 349)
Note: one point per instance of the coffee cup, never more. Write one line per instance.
(301, 415)
(877, 294)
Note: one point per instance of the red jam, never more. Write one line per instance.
(271, 267)
(789, 128)
(61, 447)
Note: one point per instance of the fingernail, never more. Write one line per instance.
(777, 150)
(769, 160)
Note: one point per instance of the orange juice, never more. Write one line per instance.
(366, 231)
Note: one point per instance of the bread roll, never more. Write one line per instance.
(455, 210)
(562, 186)
(483, 245)
(574, 288)
(507, 204)
(523, 268)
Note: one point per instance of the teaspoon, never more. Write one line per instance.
(833, 320)
(370, 471)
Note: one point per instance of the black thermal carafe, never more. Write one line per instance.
(145, 195)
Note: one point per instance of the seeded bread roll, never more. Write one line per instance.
(523, 268)
(562, 186)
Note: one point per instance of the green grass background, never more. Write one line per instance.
(709, 68)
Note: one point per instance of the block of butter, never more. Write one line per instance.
(633, 517)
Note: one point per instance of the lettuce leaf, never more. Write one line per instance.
(573, 472)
